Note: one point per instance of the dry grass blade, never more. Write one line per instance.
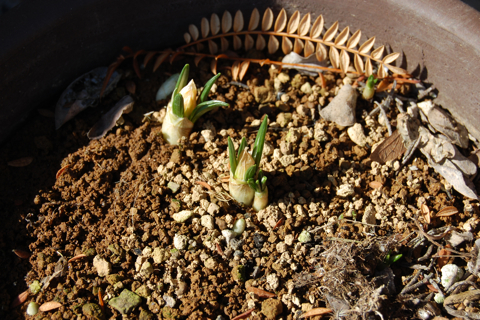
(342, 37)
(391, 57)
(316, 312)
(287, 45)
(304, 25)
(21, 298)
(226, 22)
(331, 32)
(425, 210)
(254, 20)
(334, 57)
(358, 62)
(237, 42)
(377, 53)
(21, 162)
(267, 20)
(238, 21)
(317, 27)
(367, 46)
(48, 306)
(344, 60)
(212, 47)
(293, 23)
(281, 22)
(368, 67)
(309, 48)
(224, 44)
(273, 44)
(243, 69)
(260, 43)
(249, 42)
(354, 39)
(22, 254)
(447, 211)
(193, 32)
(261, 293)
(321, 52)
(390, 149)
(160, 59)
(298, 46)
(214, 24)
(205, 27)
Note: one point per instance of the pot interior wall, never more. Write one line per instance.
(47, 44)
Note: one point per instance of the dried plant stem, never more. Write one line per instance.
(408, 289)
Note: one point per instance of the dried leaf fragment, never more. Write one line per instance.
(261, 293)
(243, 315)
(80, 256)
(391, 148)
(21, 162)
(22, 254)
(21, 298)
(316, 312)
(425, 210)
(61, 171)
(51, 305)
(447, 211)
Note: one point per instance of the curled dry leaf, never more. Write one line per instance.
(249, 42)
(193, 32)
(293, 23)
(21, 162)
(238, 21)
(205, 27)
(261, 43)
(226, 22)
(254, 20)
(447, 211)
(354, 39)
(267, 20)
(48, 306)
(304, 25)
(261, 293)
(22, 254)
(281, 21)
(21, 298)
(316, 312)
(110, 118)
(317, 27)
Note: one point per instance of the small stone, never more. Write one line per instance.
(236, 244)
(125, 302)
(146, 270)
(305, 237)
(258, 240)
(182, 216)
(273, 281)
(345, 190)
(272, 308)
(451, 273)
(213, 208)
(160, 255)
(303, 110)
(180, 241)
(228, 234)
(283, 119)
(173, 186)
(208, 135)
(169, 300)
(211, 264)
(143, 291)
(32, 308)
(238, 253)
(238, 273)
(341, 109)
(281, 247)
(239, 226)
(284, 97)
(92, 311)
(289, 238)
(306, 88)
(146, 315)
(207, 221)
(356, 134)
(283, 77)
(102, 266)
(114, 278)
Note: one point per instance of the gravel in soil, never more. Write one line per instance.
(334, 215)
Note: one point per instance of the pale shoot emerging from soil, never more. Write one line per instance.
(184, 109)
(369, 90)
(245, 181)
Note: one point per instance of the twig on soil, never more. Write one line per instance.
(462, 284)
(427, 254)
(384, 115)
(408, 289)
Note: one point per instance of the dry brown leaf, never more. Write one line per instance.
(187, 37)
(358, 62)
(293, 23)
(22, 254)
(243, 69)
(316, 312)
(213, 66)
(287, 45)
(235, 70)
(21, 298)
(160, 59)
(390, 149)
(367, 45)
(226, 22)
(212, 47)
(444, 257)
(396, 70)
(317, 27)
(238, 21)
(447, 211)
(21, 162)
(375, 185)
(48, 306)
(273, 44)
(281, 21)
(342, 37)
(261, 293)
(354, 39)
(304, 25)
(377, 53)
(298, 46)
(391, 57)
(261, 43)
(254, 20)
(309, 48)
(224, 44)
(334, 57)
(344, 60)
(321, 52)
(205, 27)
(381, 72)
(237, 42)
(267, 20)
(425, 210)
(331, 32)
(193, 32)
(368, 67)
(214, 24)
(249, 42)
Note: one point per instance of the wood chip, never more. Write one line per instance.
(261, 293)
(390, 149)
(48, 306)
(447, 211)
(21, 162)
(316, 312)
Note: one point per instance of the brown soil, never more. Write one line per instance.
(113, 202)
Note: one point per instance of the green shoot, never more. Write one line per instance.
(207, 88)
(242, 146)
(182, 80)
(231, 156)
(204, 107)
(177, 105)
(259, 142)
(369, 90)
(260, 184)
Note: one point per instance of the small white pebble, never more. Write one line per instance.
(180, 241)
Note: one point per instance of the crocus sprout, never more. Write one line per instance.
(184, 109)
(245, 176)
(260, 200)
(369, 90)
